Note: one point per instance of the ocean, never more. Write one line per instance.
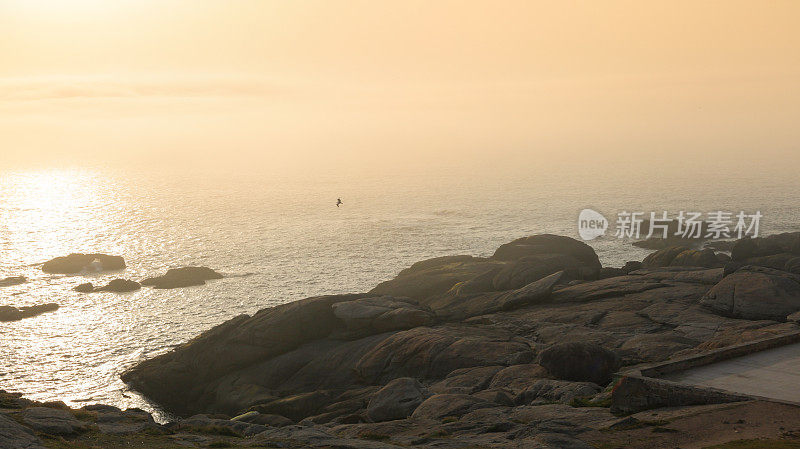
(278, 238)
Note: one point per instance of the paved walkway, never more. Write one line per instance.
(774, 373)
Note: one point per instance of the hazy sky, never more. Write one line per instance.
(397, 82)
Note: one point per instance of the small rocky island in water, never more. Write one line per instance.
(537, 346)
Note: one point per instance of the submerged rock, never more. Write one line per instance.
(119, 286)
(77, 263)
(86, 287)
(12, 280)
(9, 313)
(182, 277)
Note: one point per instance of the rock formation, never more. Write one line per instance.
(77, 263)
(9, 313)
(455, 336)
(182, 277)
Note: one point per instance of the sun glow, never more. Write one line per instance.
(66, 10)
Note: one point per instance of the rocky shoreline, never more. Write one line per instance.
(513, 350)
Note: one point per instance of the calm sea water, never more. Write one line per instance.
(277, 239)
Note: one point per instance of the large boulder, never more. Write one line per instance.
(546, 244)
(182, 277)
(9, 313)
(396, 400)
(77, 263)
(580, 362)
(755, 293)
(513, 265)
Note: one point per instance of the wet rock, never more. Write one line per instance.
(52, 421)
(397, 400)
(120, 286)
(86, 287)
(581, 362)
(9, 313)
(182, 277)
(755, 293)
(16, 436)
(77, 262)
(12, 280)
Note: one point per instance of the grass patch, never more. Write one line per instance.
(757, 444)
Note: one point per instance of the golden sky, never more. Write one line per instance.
(396, 82)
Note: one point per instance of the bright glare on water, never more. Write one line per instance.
(276, 239)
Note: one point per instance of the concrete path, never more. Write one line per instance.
(774, 373)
